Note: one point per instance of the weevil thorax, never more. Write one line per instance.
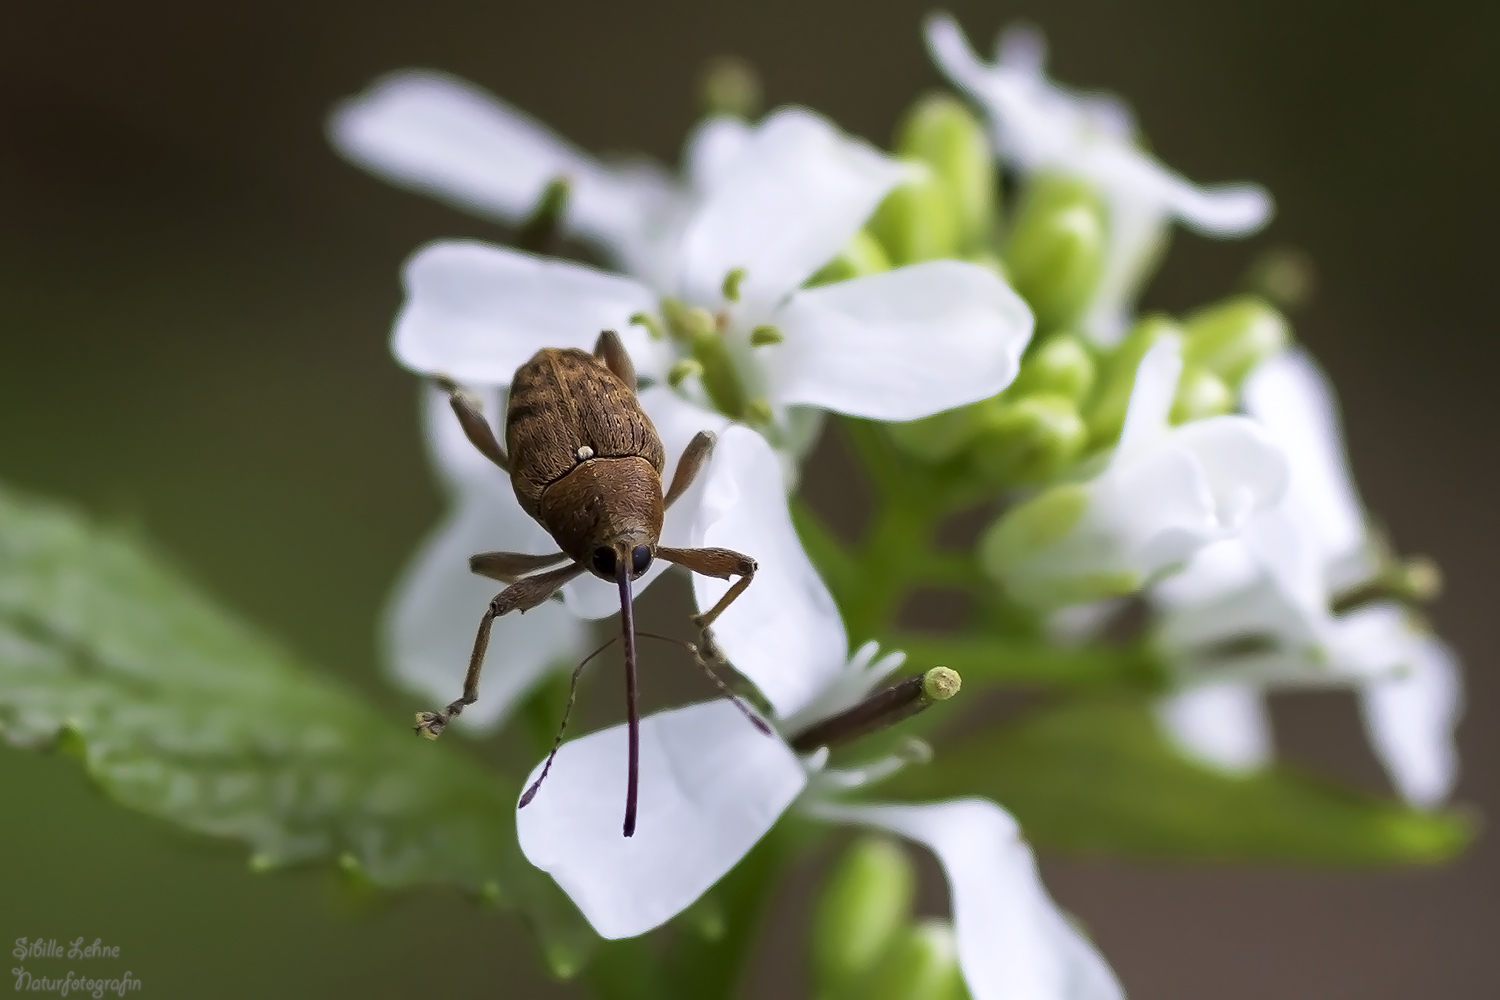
(586, 461)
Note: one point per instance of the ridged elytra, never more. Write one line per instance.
(586, 464)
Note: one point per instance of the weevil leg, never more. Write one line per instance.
(508, 567)
(689, 465)
(611, 350)
(720, 563)
(477, 429)
(522, 595)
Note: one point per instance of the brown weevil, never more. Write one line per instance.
(586, 463)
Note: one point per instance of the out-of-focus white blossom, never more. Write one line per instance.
(1161, 496)
(1255, 611)
(1040, 127)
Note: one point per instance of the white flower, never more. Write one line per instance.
(1270, 591)
(889, 346)
(1164, 494)
(1040, 126)
(775, 201)
(711, 785)
(442, 136)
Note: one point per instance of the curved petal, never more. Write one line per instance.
(1013, 941)
(1243, 468)
(901, 344)
(783, 632)
(676, 421)
(710, 787)
(437, 134)
(1292, 399)
(1222, 725)
(793, 196)
(1150, 399)
(1410, 720)
(714, 147)
(477, 312)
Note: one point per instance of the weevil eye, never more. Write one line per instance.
(640, 559)
(604, 562)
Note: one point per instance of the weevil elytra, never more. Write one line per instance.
(586, 463)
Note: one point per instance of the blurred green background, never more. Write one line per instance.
(195, 295)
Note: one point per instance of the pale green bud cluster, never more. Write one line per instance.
(947, 207)
(1055, 250)
(866, 944)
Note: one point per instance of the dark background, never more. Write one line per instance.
(194, 300)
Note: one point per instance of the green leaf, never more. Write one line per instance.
(177, 710)
(1097, 777)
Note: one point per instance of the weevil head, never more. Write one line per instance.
(607, 513)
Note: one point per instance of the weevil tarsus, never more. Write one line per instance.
(523, 595)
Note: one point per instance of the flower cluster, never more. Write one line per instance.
(791, 271)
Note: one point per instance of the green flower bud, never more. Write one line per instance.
(916, 221)
(920, 964)
(1106, 415)
(1200, 394)
(941, 436)
(730, 86)
(863, 906)
(1060, 365)
(1029, 527)
(1056, 248)
(1029, 440)
(943, 133)
(1232, 337)
(862, 255)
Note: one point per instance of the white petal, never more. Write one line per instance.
(1013, 942)
(784, 632)
(1223, 725)
(791, 200)
(435, 611)
(713, 150)
(1292, 399)
(477, 312)
(1245, 471)
(676, 421)
(1150, 399)
(710, 787)
(1410, 720)
(901, 344)
(1219, 209)
(440, 135)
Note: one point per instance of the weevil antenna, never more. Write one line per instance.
(632, 713)
(568, 710)
(724, 689)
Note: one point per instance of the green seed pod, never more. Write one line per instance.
(1061, 365)
(1056, 248)
(917, 220)
(864, 904)
(921, 963)
(1030, 440)
(1232, 337)
(1200, 394)
(1106, 415)
(943, 133)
